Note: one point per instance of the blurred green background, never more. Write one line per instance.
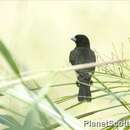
(39, 31)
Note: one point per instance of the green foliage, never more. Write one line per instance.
(32, 99)
(44, 112)
(8, 57)
(8, 121)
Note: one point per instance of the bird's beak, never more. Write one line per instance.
(73, 39)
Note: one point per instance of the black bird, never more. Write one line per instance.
(82, 54)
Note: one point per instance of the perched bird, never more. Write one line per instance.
(82, 54)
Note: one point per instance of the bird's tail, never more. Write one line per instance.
(84, 93)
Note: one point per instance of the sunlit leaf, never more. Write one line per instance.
(31, 119)
(9, 58)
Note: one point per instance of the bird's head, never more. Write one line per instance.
(81, 40)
